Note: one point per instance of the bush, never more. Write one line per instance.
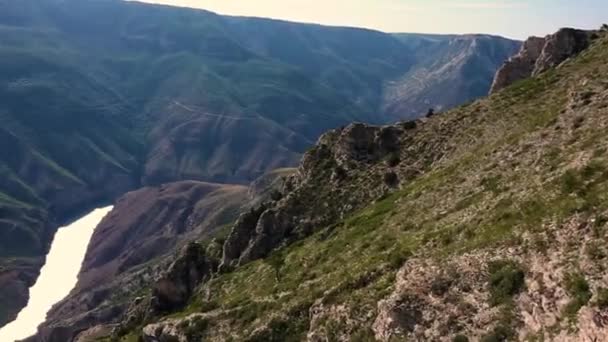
(396, 258)
(578, 288)
(506, 280)
(601, 300)
(276, 195)
(460, 338)
(570, 182)
(594, 251)
(499, 334)
(339, 173)
(393, 160)
(391, 179)
(441, 285)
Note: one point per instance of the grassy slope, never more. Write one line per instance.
(531, 155)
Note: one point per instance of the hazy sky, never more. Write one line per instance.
(511, 18)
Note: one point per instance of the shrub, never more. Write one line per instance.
(340, 173)
(506, 280)
(578, 288)
(570, 182)
(601, 300)
(441, 285)
(460, 338)
(276, 195)
(393, 160)
(194, 328)
(397, 258)
(276, 262)
(391, 179)
(499, 334)
(594, 251)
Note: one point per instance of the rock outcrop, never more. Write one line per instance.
(311, 203)
(520, 66)
(176, 286)
(540, 54)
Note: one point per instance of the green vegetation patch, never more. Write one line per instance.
(506, 279)
(578, 288)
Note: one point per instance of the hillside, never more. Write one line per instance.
(101, 97)
(484, 223)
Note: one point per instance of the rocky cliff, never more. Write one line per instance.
(540, 54)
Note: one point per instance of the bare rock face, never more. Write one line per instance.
(240, 235)
(539, 54)
(174, 288)
(560, 46)
(520, 66)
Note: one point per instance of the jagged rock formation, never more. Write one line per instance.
(540, 54)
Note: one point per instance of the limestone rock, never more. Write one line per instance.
(176, 286)
(520, 66)
(540, 54)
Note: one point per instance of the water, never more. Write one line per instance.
(57, 277)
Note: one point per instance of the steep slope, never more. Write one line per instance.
(485, 222)
(150, 94)
(450, 70)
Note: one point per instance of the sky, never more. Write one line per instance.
(510, 18)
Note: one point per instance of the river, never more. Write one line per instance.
(57, 277)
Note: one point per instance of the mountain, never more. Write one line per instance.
(486, 222)
(102, 97)
(450, 70)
